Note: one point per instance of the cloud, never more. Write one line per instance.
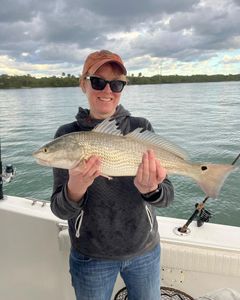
(17, 10)
(63, 32)
(231, 60)
(136, 10)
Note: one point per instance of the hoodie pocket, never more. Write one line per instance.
(78, 224)
(150, 217)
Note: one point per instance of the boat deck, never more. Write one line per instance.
(35, 247)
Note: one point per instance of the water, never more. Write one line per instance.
(201, 117)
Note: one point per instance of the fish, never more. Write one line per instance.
(121, 155)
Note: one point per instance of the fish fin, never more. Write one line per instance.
(109, 126)
(158, 141)
(212, 178)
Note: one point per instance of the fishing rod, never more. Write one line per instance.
(204, 215)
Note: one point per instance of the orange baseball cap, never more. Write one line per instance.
(96, 59)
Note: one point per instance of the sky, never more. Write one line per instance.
(167, 37)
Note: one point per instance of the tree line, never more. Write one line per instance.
(28, 81)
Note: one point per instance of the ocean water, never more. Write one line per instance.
(203, 118)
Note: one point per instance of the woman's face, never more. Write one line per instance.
(103, 103)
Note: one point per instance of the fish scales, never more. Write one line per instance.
(121, 156)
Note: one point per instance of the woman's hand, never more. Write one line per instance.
(150, 173)
(82, 176)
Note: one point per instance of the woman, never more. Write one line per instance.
(112, 223)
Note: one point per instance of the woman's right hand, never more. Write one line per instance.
(82, 176)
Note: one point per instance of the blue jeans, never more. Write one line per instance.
(94, 279)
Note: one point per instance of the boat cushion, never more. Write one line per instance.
(222, 294)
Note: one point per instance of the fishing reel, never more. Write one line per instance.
(200, 214)
(204, 216)
(9, 172)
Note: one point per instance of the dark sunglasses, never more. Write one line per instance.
(99, 84)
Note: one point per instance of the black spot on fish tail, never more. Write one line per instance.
(204, 168)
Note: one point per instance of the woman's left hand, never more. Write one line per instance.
(150, 173)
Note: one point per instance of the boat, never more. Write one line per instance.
(35, 247)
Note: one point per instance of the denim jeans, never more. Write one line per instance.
(94, 279)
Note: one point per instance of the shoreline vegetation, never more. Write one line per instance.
(28, 81)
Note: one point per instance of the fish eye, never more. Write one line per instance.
(45, 150)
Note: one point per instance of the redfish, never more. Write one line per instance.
(121, 155)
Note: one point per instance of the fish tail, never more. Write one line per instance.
(212, 177)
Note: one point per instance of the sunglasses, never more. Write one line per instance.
(99, 84)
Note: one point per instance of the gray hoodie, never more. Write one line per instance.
(113, 220)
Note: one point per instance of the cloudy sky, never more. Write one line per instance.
(48, 37)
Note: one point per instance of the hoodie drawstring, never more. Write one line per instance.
(78, 223)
